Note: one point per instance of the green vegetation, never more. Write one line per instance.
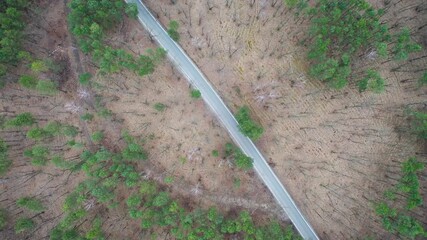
(423, 80)
(97, 136)
(24, 224)
(84, 78)
(419, 124)
(340, 32)
(132, 10)
(5, 162)
(373, 81)
(86, 117)
(38, 154)
(240, 159)
(11, 27)
(51, 129)
(89, 24)
(173, 30)
(21, 120)
(160, 107)
(47, 87)
(31, 203)
(28, 81)
(196, 94)
(247, 126)
(3, 218)
(394, 219)
(215, 153)
(39, 66)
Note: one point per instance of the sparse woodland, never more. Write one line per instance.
(102, 138)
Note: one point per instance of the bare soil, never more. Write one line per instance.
(335, 151)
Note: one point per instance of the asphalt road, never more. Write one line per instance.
(209, 95)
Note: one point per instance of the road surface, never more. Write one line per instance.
(209, 95)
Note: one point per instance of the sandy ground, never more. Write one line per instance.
(335, 151)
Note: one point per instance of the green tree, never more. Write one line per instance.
(160, 107)
(247, 126)
(30, 203)
(423, 80)
(97, 136)
(173, 30)
(419, 123)
(5, 162)
(134, 152)
(21, 120)
(47, 87)
(242, 161)
(95, 232)
(196, 94)
(132, 10)
(373, 81)
(24, 224)
(405, 45)
(3, 218)
(38, 155)
(28, 81)
(39, 66)
(84, 78)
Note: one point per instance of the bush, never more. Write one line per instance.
(70, 131)
(27, 81)
(86, 117)
(38, 155)
(5, 162)
(196, 94)
(46, 87)
(159, 107)
(85, 78)
(3, 218)
(23, 119)
(97, 136)
(24, 224)
(37, 134)
(30, 203)
(215, 153)
(39, 66)
(132, 10)
(247, 126)
(173, 30)
(419, 124)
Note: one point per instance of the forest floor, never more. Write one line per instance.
(335, 151)
(180, 139)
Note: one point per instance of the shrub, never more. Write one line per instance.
(24, 224)
(5, 162)
(30, 203)
(86, 117)
(39, 66)
(97, 136)
(247, 126)
(173, 30)
(215, 153)
(46, 87)
(159, 107)
(85, 78)
(196, 94)
(28, 81)
(23, 119)
(3, 218)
